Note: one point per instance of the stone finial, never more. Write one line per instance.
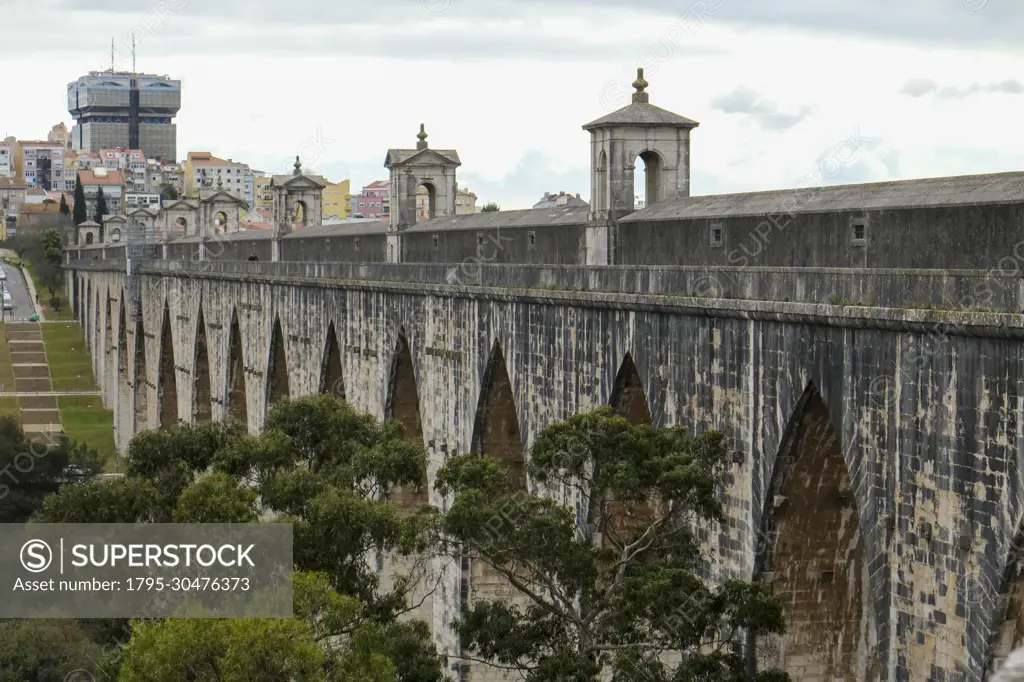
(298, 166)
(422, 137)
(220, 183)
(640, 97)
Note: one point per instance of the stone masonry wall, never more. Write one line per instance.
(910, 563)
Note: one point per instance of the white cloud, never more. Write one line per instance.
(510, 83)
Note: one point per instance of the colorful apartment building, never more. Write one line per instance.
(374, 201)
(335, 200)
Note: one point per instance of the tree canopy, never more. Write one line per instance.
(490, 208)
(319, 465)
(613, 585)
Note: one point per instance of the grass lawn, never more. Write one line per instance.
(70, 364)
(85, 420)
(65, 313)
(6, 371)
(9, 406)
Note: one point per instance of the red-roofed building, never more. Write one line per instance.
(374, 201)
(111, 181)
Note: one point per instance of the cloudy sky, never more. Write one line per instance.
(788, 92)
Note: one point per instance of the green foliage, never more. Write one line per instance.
(319, 465)
(80, 213)
(229, 650)
(64, 205)
(31, 470)
(168, 192)
(490, 208)
(49, 201)
(52, 246)
(616, 587)
(101, 206)
(216, 498)
(44, 650)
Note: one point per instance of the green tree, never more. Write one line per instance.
(45, 650)
(240, 650)
(319, 465)
(168, 192)
(50, 276)
(101, 207)
(490, 208)
(49, 201)
(52, 246)
(32, 470)
(80, 212)
(64, 205)
(619, 586)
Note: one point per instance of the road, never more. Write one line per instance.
(15, 283)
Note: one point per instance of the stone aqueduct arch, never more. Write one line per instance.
(832, 566)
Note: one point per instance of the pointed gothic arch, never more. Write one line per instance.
(403, 405)
(332, 378)
(202, 396)
(496, 431)
(1007, 631)
(141, 387)
(109, 355)
(815, 556)
(89, 314)
(237, 408)
(123, 417)
(629, 399)
(168, 382)
(277, 367)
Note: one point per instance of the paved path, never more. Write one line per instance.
(21, 297)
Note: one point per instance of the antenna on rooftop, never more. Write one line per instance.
(111, 55)
(133, 54)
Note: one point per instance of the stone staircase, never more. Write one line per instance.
(39, 414)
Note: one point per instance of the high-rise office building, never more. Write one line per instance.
(120, 109)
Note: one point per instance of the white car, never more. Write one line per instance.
(3, 275)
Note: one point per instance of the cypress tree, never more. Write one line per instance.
(81, 211)
(64, 210)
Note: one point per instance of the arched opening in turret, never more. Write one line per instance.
(141, 387)
(600, 197)
(277, 369)
(88, 238)
(332, 380)
(202, 407)
(235, 398)
(646, 179)
(115, 236)
(220, 222)
(299, 215)
(426, 201)
(168, 399)
(180, 227)
(814, 556)
(403, 405)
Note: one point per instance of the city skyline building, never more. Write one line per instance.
(120, 109)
